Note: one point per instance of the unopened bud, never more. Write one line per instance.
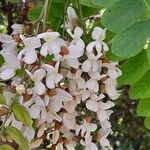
(20, 89)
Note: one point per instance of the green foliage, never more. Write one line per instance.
(148, 53)
(123, 14)
(22, 114)
(134, 68)
(141, 89)
(131, 41)
(2, 99)
(13, 1)
(1, 60)
(104, 3)
(143, 108)
(18, 137)
(147, 122)
(6, 147)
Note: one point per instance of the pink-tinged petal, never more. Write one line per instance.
(71, 13)
(69, 120)
(55, 103)
(86, 66)
(99, 33)
(30, 57)
(39, 74)
(64, 93)
(34, 111)
(41, 130)
(81, 83)
(98, 47)
(73, 62)
(12, 61)
(32, 42)
(74, 52)
(104, 142)
(4, 38)
(43, 113)
(92, 85)
(72, 86)
(105, 46)
(90, 47)
(92, 105)
(50, 81)
(55, 48)
(48, 36)
(48, 68)
(59, 146)
(58, 78)
(85, 95)
(44, 50)
(29, 133)
(7, 74)
(78, 32)
(92, 146)
(92, 127)
(36, 143)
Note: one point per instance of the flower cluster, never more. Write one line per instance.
(64, 86)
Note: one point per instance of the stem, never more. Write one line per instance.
(81, 18)
(64, 17)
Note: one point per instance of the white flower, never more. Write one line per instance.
(110, 88)
(29, 53)
(77, 37)
(89, 145)
(36, 107)
(8, 70)
(72, 18)
(92, 63)
(77, 83)
(56, 101)
(69, 120)
(92, 103)
(103, 113)
(53, 77)
(98, 35)
(52, 43)
(86, 129)
(20, 89)
(29, 133)
(103, 133)
(55, 136)
(17, 28)
(37, 77)
(113, 71)
(4, 38)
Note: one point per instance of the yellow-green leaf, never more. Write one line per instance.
(18, 137)
(22, 114)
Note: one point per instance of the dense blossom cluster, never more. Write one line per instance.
(66, 95)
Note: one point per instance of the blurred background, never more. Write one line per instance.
(128, 129)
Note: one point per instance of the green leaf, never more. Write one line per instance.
(147, 122)
(87, 11)
(1, 60)
(141, 89)
(143, 108)
(134, 68)
(22, 114)
(18, 137)
(88, 3)
(113, 57)
(20, 72)
(48, 58)
(2, 99)
(123, 14)
(34, 13)
(104, 3)
(148, 53)
(6, 147)
(131, 41)
(13, 1)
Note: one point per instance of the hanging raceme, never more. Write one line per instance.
(67, 96)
